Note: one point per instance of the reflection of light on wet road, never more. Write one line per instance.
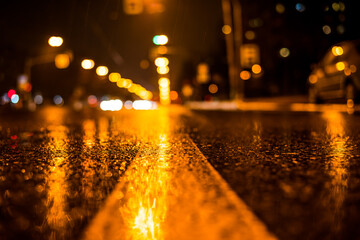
(338, 165)
(170, 191)
(57, 217)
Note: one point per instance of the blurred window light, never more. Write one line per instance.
(161, 62)
(111, 105)
(62, 61)
(114, 77)
(58, 100)
(160, 40)
(340, 66)
(300, 7)
(144, 105)
(284, 52)
(163, 70)
(250, 35)
(87, 64)
(256, 68)
(55, 41)
(280, 8)
(226, 29)
(102, 71)
(213, 88)
(38, 99)
(11, 92)
(245, 75)
(337, 51)
(326, 29)
(15, 98)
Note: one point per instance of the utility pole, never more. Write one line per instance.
(232, 16)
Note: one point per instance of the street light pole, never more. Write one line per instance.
(232, 17)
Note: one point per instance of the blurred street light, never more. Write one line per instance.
(55, 41)
(62, 61)
(87, 64)
(161, 62)
(102, 71)
(160, 40)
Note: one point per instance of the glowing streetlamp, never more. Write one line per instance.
(55, 41)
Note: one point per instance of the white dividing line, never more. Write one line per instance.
(170, 191)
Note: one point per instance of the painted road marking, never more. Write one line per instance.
(170, 191)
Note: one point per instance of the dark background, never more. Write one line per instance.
(102, 31)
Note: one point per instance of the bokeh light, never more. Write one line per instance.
(245, 75)
(160, 40)
(11, 92)
(62, 61)
(280, 8)
(226, 29)
(213, 88)
(340, 66)
(337, 51)
(102, 71)
(284, 52)
(256, 68)
(15, 98)
(58, 100)
(38, 99)
(114, 77)
(128, 104)
(55, 41)
(300, 7)
(161, 62)
(87, 64)
(326, 29)
(250, 35)
(163, 70)
(111, 105)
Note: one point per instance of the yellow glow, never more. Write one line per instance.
(350, 103)
(162, 40)
(124, 83)
(187, 90)
(133, 88)
(55, 41)
(312, 79)
(347, 71)
(114, 77)
(62, 61)
(337, 51)
(102, 71)
(226, 29)
(164, 82)
(87, 64)
(161, 62)
(340, 66)
(163, 70)
(256, 68)
(213, 88)
(245, 75)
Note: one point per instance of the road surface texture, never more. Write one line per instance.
(173, 173)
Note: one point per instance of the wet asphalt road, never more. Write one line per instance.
(160, 175)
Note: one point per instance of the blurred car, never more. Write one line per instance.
(336, 76)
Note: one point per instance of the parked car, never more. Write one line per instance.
(336, 76)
